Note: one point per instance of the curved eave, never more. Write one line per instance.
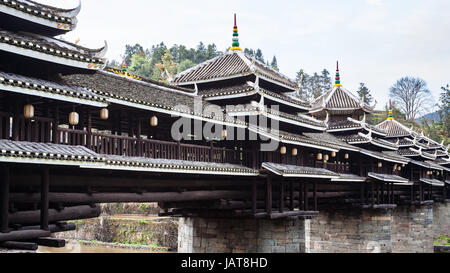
(60, 95)
(344, 129)
(229, 96)
(293, 141)
(166, 170)
(49, 58)
(50, 22)
(291, 104)
(385, 158)
(172, 112)
(389, 178)
(299, 175)
(294, 122)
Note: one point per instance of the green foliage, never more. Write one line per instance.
(363, 91)
(314, 86)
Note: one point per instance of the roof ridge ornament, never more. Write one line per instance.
(235, 44)
(338, 77)
(391, 111)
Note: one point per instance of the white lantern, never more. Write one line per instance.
(399, 168)
(294, 152)
(283, 150)
(380, 164)
(224, 133)
(319, 156)
(333, 154)
(74, 118)
(326, 158)
(104, 114)
(154, 121)
(28, 111)
(346, 156)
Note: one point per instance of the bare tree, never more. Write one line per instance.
(412, 96)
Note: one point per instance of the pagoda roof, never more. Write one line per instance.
(47, 89)
(146, 95)
(386, 156)
(361, 138)
(233, 64)
(339, 100)
(56, 20)
(52, 50)
(329, 138)
(299, 171)
(443, 161)
(394, 128)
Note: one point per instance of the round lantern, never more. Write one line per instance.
(154, 121)
(380, 164)
(326, 158)
(104, 114)
(294, 152)
(346, 156)
(333, 154)
(399, 168)
(28, 111)
(224, 133)
(283, 150)
(74, 118)
(319, 156)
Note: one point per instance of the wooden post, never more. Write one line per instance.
(269, 195)
(315, 196)
(211, 152)
(362, 194)
(373, 193)
(254, 198)
(281, 206)
(45, 186)
(56, 125)
(300, 196)
(89, 130)
(306, 196)
(292, 205)
(4, 200)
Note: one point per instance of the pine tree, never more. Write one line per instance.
(274, 64)
(363, 91)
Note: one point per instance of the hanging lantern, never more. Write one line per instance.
(154, 121)
(326, 158)
(346, 156)
(399, 168)
(74, 118)
(380, 164)
(28, 111)
(333, 154)
(283, 150)
(224, 133)
(319, 156)
(104, 114)
(294, 152)
(403, 165)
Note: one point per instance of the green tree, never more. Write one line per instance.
(363, 91)
(274, 64)
(184, 65)
(140, 65)
(165, 69)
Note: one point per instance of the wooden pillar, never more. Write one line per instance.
(45, 187)
(139, 137)
(281, 206)
(56, 125)
(4, 199)
(306, 196)
(315, 196)
(254, 198)
(291, 197)
(300, 196)
(269, 195)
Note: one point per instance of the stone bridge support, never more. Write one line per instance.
(405, 229)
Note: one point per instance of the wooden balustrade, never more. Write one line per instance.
(19, 128)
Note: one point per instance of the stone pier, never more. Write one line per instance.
(406, 229)
(200, 235)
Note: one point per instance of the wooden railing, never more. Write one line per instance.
(37, 129)
(134, 147)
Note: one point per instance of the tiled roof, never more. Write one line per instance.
(176, 166)
(161, 98)
(297, 101)
(387, 156)
(338, 99)
(343, 125)
(349, 178)
(402, 142)
(353, 138)
(388, 178)
(394, 128)
(42, 153)
(92, 58)
(217, 93)
(443, 161)
(38, 87)
(329, 138)
(407, 152)
(294, 139)
(317, 124)
(299, 171)
(432, 182)
(230, 65)
(33, 9)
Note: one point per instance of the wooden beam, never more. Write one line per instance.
(23, 235)
(51, 242)
(19, 245)
(70, 213)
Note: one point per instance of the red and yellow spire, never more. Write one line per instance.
(338, 77)
(235, 45)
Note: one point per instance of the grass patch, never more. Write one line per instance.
(442, 241)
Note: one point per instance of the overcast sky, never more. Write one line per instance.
(376, 41)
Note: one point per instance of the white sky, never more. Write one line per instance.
(376, 41)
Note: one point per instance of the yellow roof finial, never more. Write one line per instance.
(235, 45)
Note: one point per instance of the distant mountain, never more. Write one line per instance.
(432, 116)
